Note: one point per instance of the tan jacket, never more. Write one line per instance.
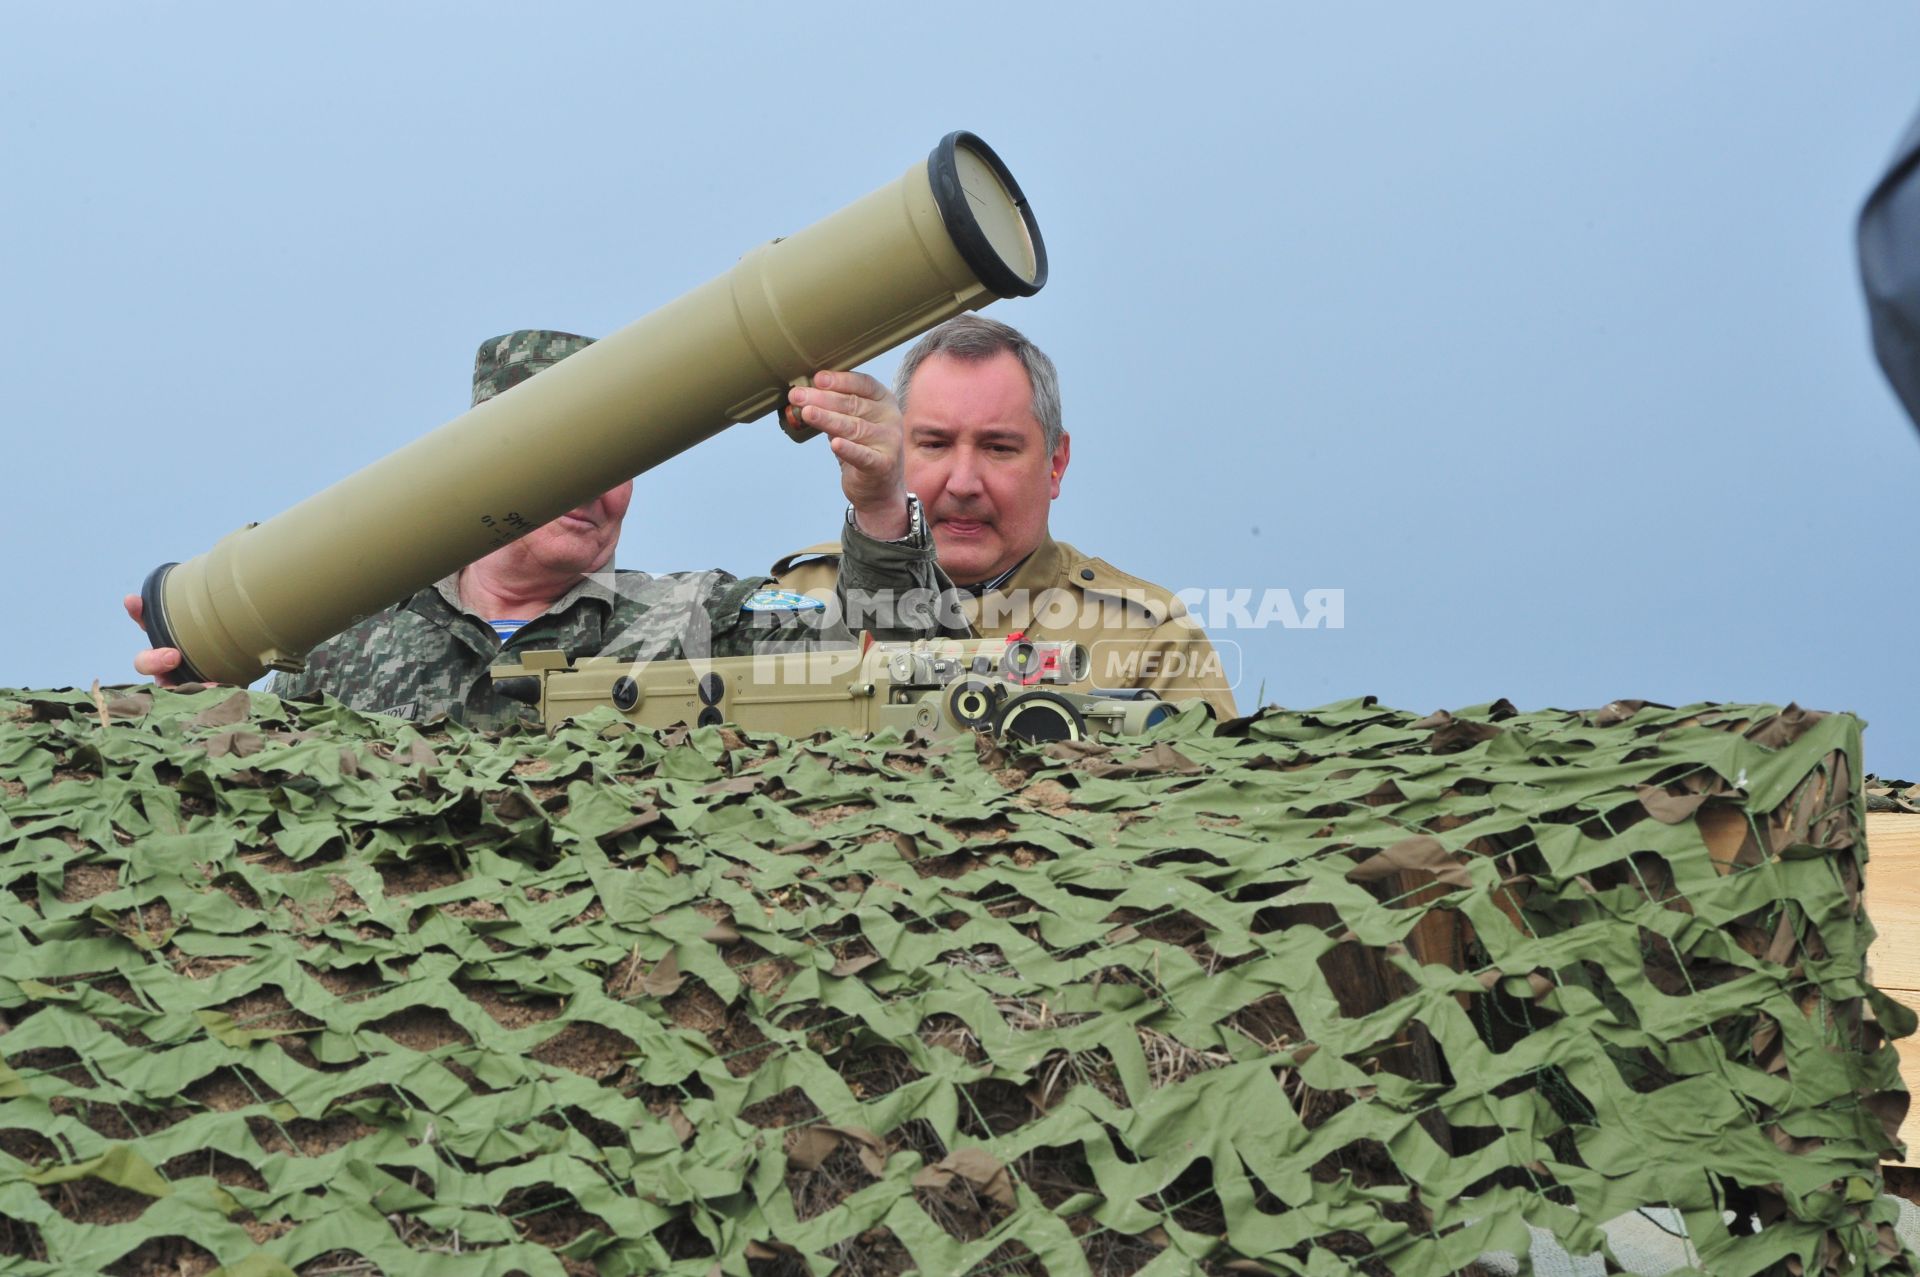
(1138, 634)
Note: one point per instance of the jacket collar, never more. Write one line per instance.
(440, 604)
(1043, 568)
(595, 585)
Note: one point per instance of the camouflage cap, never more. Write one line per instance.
(504, 362)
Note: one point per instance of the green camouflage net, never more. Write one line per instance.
(1892, 795)
(292, 988)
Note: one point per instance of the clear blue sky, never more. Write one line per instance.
(1533, 328)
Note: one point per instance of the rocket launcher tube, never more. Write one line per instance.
(950, 235)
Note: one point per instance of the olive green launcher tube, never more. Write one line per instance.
(951, 235)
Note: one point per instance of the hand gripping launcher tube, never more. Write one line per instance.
(951, 235)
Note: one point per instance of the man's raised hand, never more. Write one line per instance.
(862, 421)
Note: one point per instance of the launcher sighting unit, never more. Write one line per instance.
(1012, 687)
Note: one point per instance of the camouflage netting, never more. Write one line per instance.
(288, 987)
(1892, 795)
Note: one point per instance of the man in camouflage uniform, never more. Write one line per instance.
(555, 588)
(978, 416)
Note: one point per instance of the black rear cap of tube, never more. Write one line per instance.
(153, 619)
(975, 249)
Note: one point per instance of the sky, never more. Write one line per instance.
(1533, 330)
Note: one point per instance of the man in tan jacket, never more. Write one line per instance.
(976, 445)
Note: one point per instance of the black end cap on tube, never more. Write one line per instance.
(153, 619)
(975, 249)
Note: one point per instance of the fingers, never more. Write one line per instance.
(862, 421)
(846, 405)
(855, 384)
(158, 663)
(841, 425)
(837, 424)
(852, 452)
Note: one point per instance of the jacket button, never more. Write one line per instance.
(1086, 574)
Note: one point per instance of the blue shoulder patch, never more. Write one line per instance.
(781, 601)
